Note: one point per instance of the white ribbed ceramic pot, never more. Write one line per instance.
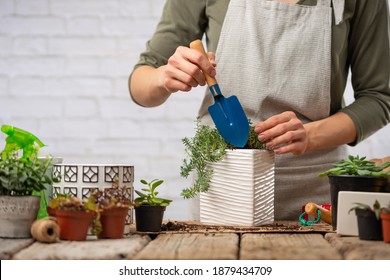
(241, 191)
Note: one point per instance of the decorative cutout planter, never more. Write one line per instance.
(81, 179)
(17, 213)
(241, 191)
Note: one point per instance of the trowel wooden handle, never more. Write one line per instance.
(326, 215)
(198, 46)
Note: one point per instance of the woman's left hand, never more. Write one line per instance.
(284, 133)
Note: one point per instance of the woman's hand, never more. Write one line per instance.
(150, 87)
(284, 133)
(185, 70)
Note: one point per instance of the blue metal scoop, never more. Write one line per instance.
(227, 113)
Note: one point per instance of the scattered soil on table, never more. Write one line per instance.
(178, 226)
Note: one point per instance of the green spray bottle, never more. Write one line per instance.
(19, 139)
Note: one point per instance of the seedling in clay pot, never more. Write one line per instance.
(74, 216)
(113, 206)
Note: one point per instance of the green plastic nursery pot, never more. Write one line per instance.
(149, 218)
(385, 218)
(354, 183)
(369, 227)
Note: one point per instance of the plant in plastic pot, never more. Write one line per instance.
(149, 208)
(355, 174)
(113, 206)
(23, 180)
(368, 220)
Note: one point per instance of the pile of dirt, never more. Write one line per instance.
(178, 226)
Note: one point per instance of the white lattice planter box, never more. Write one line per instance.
(81, 179)
(241, 191)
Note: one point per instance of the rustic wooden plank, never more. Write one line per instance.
(195, 246)
(352, 248)
(9, 247)
(286, 247)
(104, 249)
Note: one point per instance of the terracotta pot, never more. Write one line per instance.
(385, 217)
(149, 218)
(17, 213)
(51, 211)
(73, 224)
(369, 227)
(353, 183)
(113, 222)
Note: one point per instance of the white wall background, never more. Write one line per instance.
(64, 66)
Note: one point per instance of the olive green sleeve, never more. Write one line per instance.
(182, 21)
(369, 56)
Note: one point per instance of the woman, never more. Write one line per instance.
(287, 61)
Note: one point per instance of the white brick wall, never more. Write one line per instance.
(64, 66)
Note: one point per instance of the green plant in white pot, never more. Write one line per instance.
(149, 207)
(21, 178)
(235, 185)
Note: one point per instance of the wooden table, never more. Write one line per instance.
(280, 241)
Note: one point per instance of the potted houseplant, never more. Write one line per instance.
(385, 218)
(74, 216)
(235, 185)
(113, 206)
(23, 180)
(82, 179)
(149, 208)
(368, 220)
(355, 174)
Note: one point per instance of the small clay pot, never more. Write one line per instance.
(51, 211)
(113, 222)
(73, 224)
(385, 217)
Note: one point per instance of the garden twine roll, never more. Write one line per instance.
(45, 230)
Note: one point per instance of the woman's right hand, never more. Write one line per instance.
(185, 69)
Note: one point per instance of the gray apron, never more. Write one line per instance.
(276, 57)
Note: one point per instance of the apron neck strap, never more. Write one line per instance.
(325, 3)
(338, 8)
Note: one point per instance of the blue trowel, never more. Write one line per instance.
(227, 113)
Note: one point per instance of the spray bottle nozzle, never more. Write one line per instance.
(19, 139)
